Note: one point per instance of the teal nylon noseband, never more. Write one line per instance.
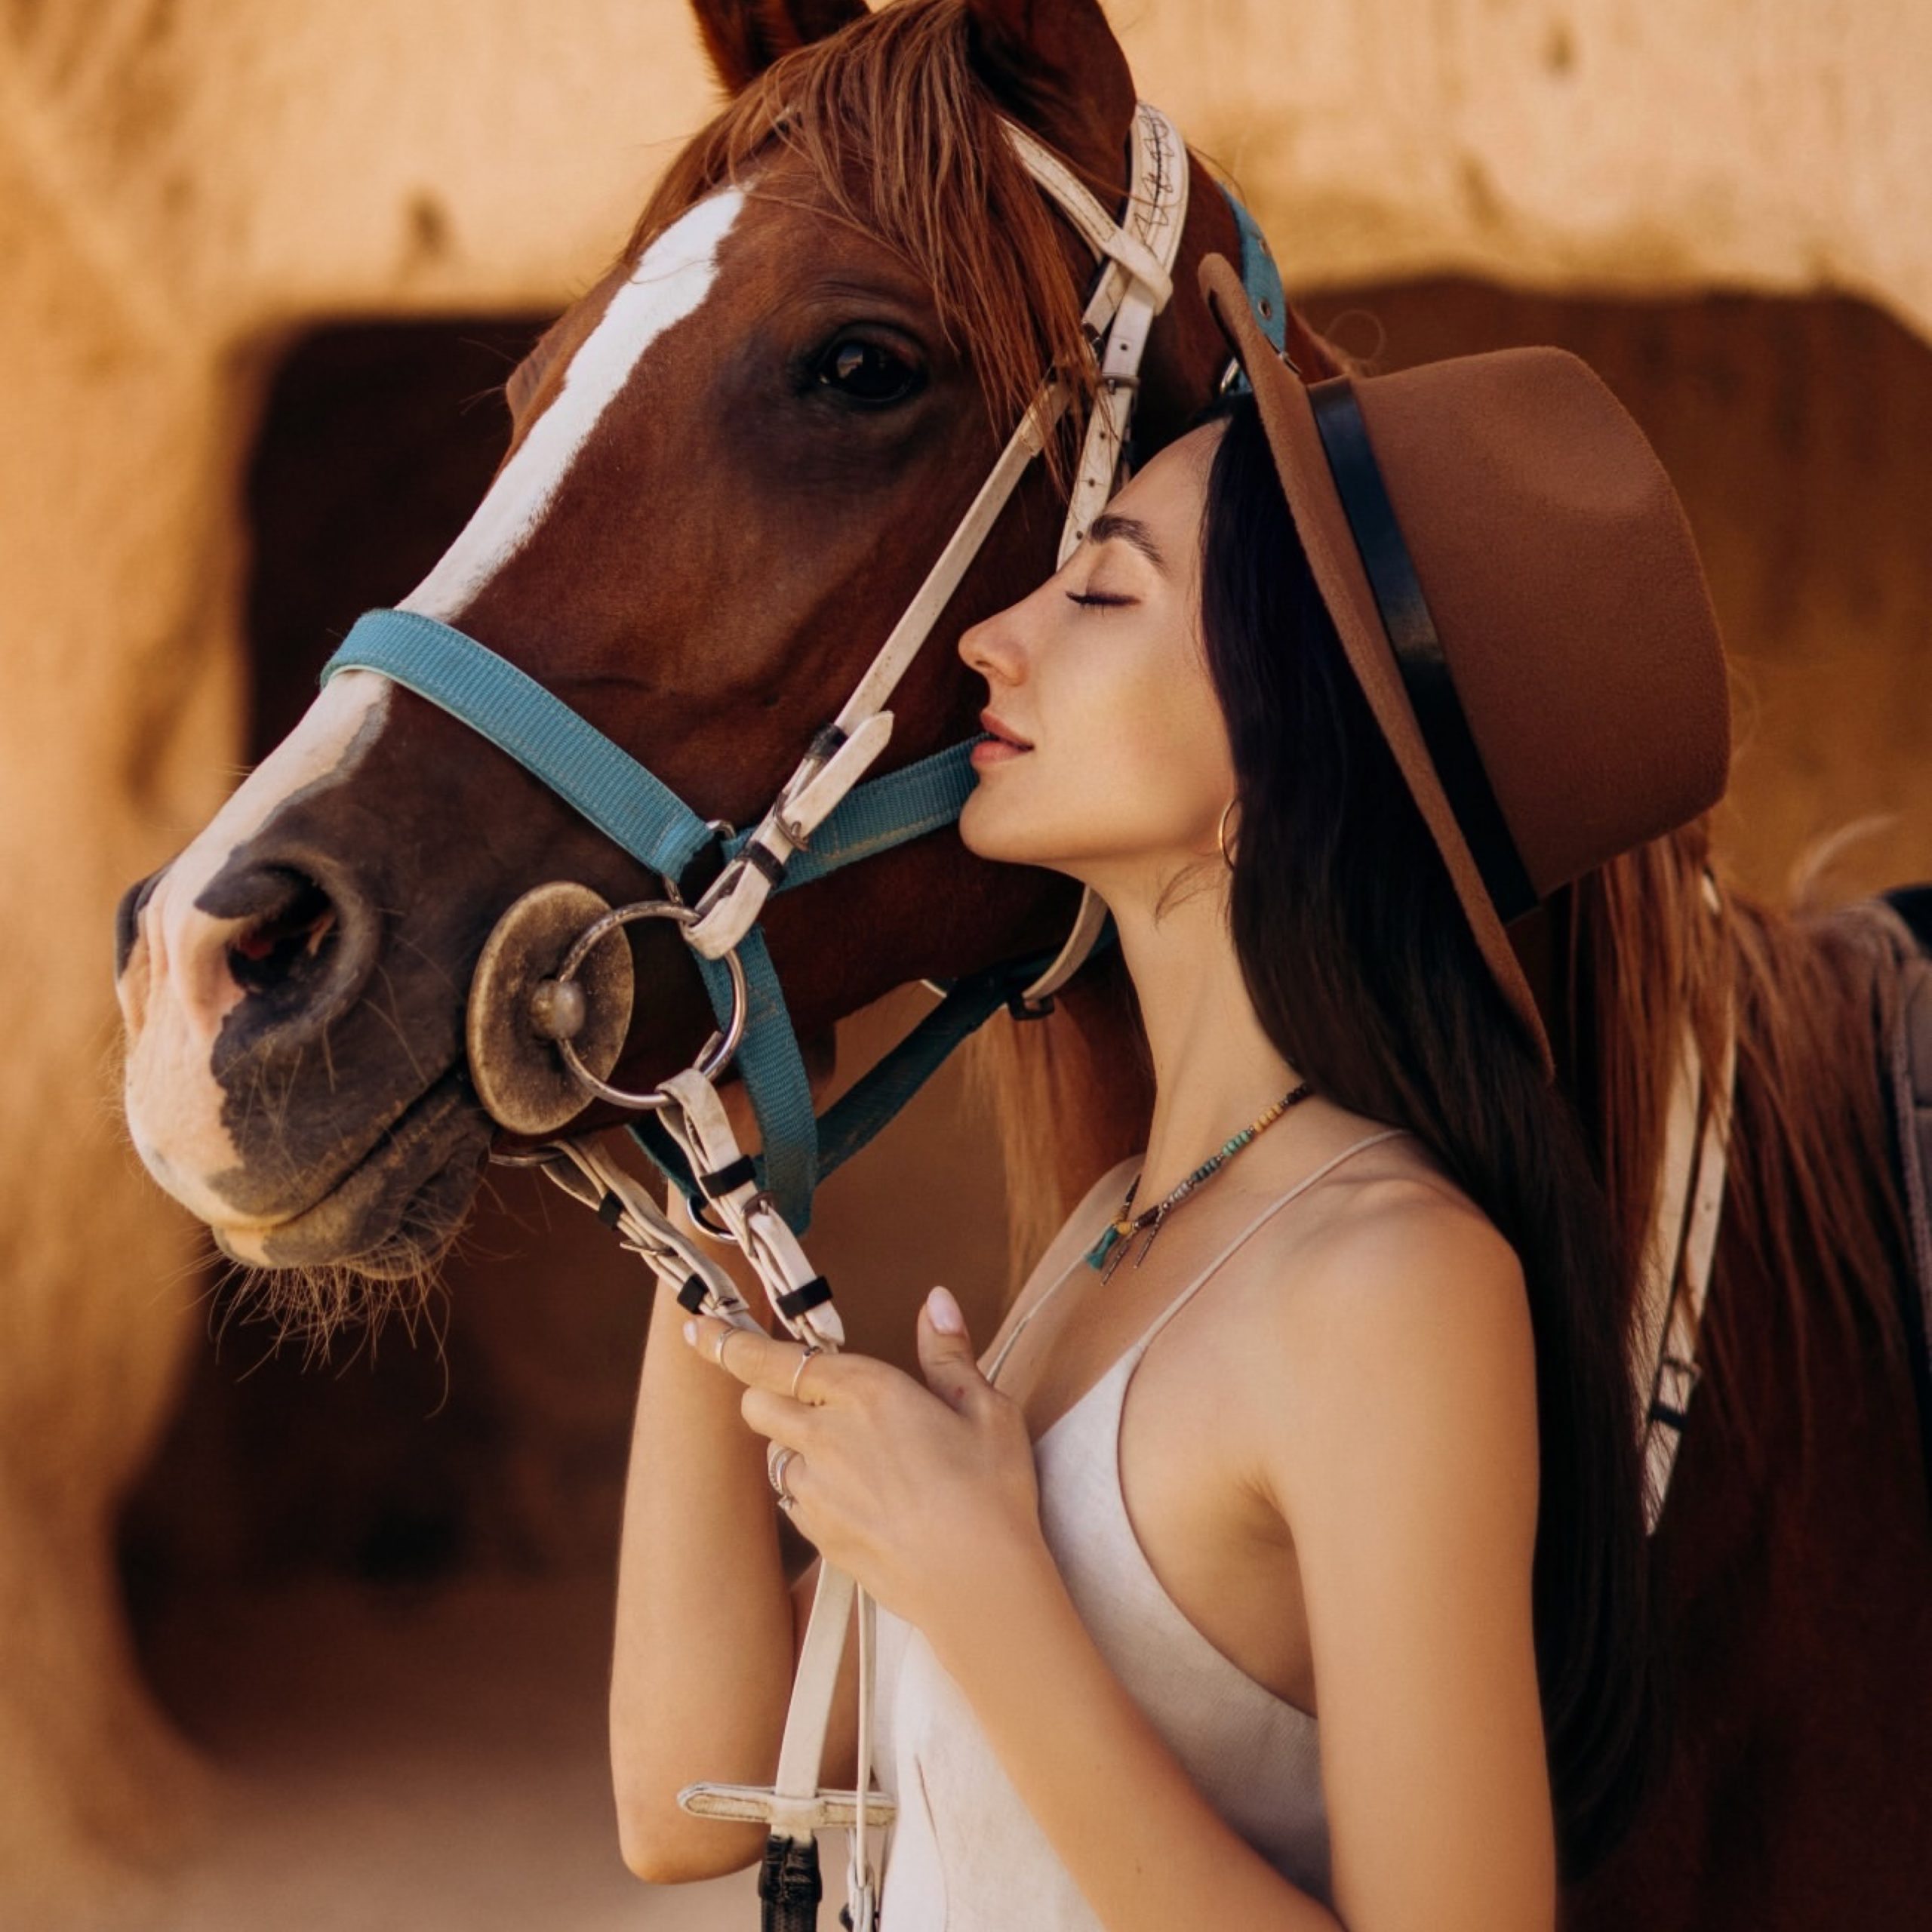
(637, 812)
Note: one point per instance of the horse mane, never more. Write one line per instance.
(901, 141)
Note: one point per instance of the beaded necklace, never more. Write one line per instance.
(1107, 1253)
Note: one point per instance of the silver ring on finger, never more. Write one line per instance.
(777, 1459)
(805, 1362)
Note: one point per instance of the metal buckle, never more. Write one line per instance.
(717, 1051)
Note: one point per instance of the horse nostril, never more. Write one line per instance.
(127, 919)
(298, 936)
(288, 946)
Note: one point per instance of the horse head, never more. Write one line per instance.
(731, 463)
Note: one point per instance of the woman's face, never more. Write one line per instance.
(1116, 764)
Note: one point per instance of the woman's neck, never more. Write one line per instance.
(1214, 1068)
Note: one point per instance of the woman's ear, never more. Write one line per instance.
(744, 37)
(1056, 67)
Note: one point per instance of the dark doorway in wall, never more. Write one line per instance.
(377, 440)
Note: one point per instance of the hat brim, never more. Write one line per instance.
(1287, 418)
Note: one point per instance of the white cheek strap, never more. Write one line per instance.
(1134, 286)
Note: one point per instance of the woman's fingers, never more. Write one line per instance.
(761, 1361)
(946, 1357)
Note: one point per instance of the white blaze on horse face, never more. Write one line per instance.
(671, 280)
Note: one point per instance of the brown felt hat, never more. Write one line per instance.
(1515, 584)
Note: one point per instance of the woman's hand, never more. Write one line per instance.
(923, 1494)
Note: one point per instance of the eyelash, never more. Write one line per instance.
(1103, 603)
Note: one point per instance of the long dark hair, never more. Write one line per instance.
(1366, 977)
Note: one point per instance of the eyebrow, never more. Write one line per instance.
(1109, 527)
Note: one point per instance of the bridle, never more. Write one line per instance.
(826, 814)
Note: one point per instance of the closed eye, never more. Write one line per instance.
(1092, 600)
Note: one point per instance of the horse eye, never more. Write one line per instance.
(862, 371)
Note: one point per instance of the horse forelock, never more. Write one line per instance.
(900, 137)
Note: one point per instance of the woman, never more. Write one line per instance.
(1283, 1564)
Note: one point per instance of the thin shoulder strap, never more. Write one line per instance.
(1076, 1235)
(1260, 1220)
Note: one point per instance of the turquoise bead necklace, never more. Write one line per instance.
(1106, 1254)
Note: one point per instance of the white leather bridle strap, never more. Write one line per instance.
(1136, 285)
(696, 1121)
(1124, 242)
(585, 1171)
(1681, 1254)
(1133, 290)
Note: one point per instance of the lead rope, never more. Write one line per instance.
(1133, 284)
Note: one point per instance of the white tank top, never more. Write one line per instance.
(966, 1855)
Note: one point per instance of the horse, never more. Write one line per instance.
(730, 462)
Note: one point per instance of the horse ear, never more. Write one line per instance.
(744, 37)
(1056, 67)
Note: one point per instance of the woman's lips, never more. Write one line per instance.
(1001, 743)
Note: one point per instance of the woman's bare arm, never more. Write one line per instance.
(701, 1664)
(1405, 1460)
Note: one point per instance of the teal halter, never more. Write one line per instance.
(637, 812)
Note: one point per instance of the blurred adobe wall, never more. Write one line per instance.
(187, 185)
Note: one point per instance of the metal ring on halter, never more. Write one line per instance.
(717, 1049)
(777, 1460)
(805, 1362)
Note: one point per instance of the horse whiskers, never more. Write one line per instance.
(314, 1306)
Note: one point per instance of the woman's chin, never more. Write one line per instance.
(1007, 838)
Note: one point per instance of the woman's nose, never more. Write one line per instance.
(990, 648)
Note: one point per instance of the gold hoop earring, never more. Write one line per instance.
(1221, 833)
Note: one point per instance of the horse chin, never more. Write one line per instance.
(395, 1213)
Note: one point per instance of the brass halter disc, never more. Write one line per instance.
(518, 1013)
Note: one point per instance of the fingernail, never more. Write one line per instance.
(943, 1312)
(691, 1331)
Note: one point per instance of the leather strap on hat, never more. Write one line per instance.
(1419, 655)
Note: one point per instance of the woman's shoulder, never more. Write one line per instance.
(1399, 1281)
(1387, 1220)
